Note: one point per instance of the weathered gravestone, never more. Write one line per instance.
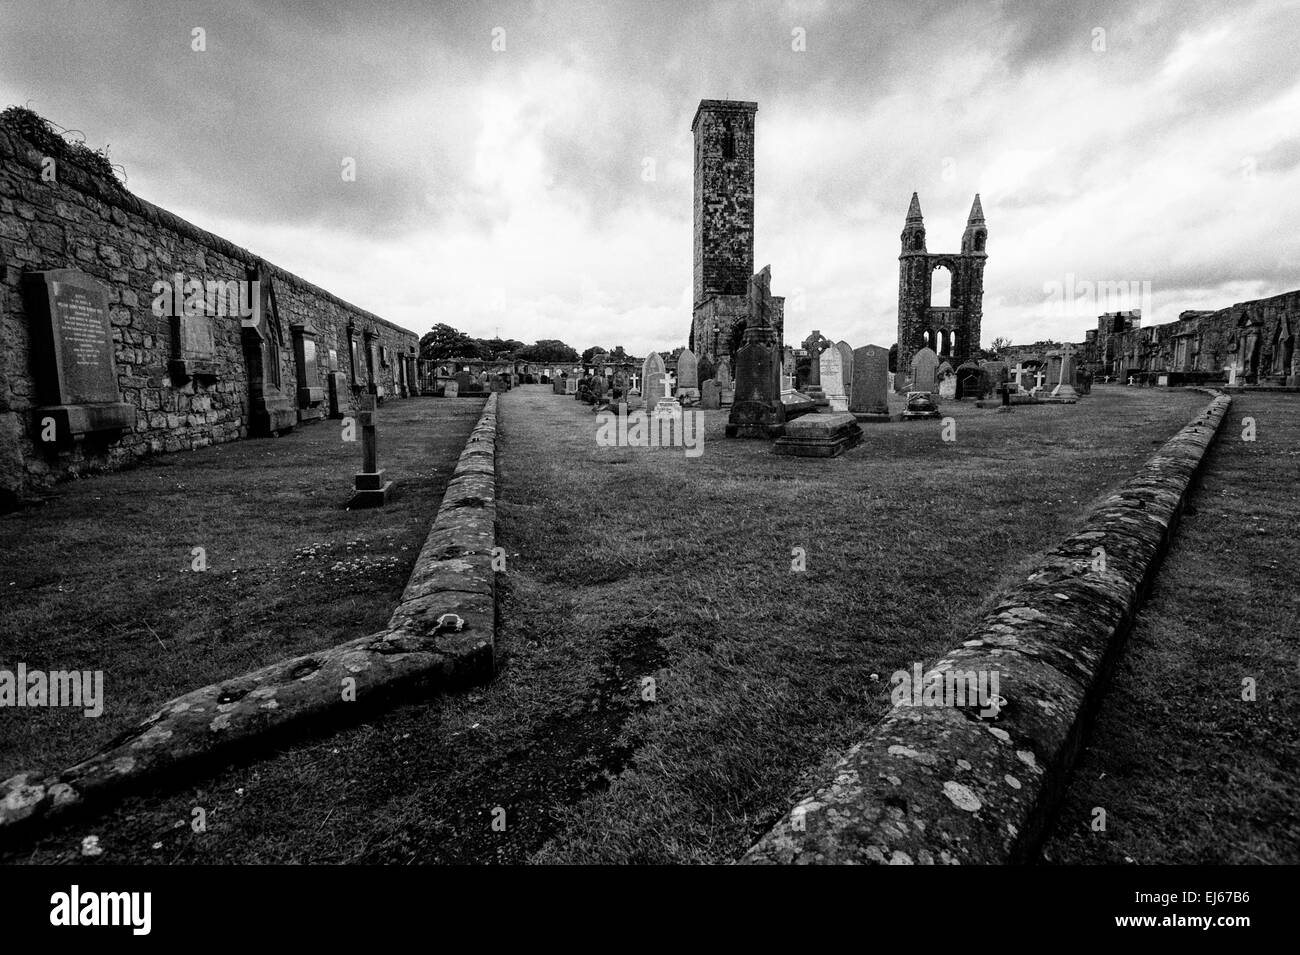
(831, 373)
(725, 382)
(451, 389)
(72, 350)
(969, 381)
(948, 386)
(371, 488)
(688, 382)
(310, 394)
(925, 364)
(653, 379)
(711, 395)
(337, 382)
(869, 401)
(995, 375)
(571, 385)
(846, 365)
(706, 370)
(757, 411)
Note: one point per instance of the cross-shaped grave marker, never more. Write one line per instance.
(371, 488)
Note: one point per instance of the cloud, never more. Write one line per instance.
(544, 190)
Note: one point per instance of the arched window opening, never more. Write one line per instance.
(941, 287)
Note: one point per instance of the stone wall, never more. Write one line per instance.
(1255, 339)
(184, 390)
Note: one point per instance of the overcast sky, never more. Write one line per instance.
(505, 190)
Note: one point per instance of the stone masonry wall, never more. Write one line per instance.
(724, 198)
(88, 222)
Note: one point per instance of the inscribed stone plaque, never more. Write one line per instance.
(711, 395)
(72, 340)
(870, 380)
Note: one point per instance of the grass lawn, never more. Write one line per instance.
(627, 564)
(1186, 770)
(101, 578)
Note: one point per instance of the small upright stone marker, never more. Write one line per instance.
(371, 488)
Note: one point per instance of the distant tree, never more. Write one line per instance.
(548, 349)
(498, 347)
(443, 341)
(999, 345)
(590, 354)
(618, 354)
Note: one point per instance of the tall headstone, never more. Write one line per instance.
(311, 395)
(869, 400)
(688, 381)
(725, 383)
(687, 370)
(654, 380)
(925, 363)
(757, 411)
(72, 348)
(846, 365)
(831, 373)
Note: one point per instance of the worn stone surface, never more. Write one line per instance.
(936, 785)
(440, 636)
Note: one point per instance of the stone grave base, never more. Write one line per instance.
(756, 419)
(1021, 399)
(819, 436)
(920, 415)
(1058, 400)
(79, 421)
(875, 417)
(371, 490)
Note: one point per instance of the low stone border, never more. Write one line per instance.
(441, 636)
(940, 784)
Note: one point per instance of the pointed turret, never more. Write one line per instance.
(913, 236)
(973, 239)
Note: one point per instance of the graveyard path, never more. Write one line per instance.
(1188, 771)
(667, 675)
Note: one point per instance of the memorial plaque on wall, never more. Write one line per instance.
(72, 349)
(195, 354)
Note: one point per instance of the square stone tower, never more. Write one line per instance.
(724, 226)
